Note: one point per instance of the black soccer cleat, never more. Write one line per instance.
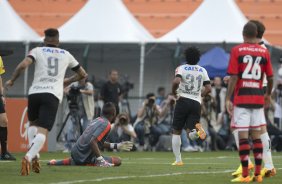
(7, 156)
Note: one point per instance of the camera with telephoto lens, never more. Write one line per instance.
(151, 102)
(72, 97)
(172, 102)
(207, 98)
(123, 119)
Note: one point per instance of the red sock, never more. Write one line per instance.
(258, 155)
(244, 152)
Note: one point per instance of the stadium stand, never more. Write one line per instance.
(158, 16)
(267, 11)
(46, 13)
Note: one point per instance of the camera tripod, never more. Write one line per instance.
(125, 106)
(75, 118)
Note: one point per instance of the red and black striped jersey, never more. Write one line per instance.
(249, 62)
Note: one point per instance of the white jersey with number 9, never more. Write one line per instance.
(51, 64)
(193, 77)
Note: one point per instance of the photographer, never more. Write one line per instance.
(81, 102)
(85, 102)
(122, 130)
(146, 123)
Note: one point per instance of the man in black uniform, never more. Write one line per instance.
(112, 90)
(5, 155)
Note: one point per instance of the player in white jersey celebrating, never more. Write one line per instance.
(45, 92)
(187, 85)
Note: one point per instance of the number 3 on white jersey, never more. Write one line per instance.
(252, 70)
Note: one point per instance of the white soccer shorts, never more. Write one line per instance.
(244, 118)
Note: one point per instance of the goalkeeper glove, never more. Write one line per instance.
(125, 146)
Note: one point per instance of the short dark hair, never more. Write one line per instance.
(260, 28)
(250, 30)
(51, 32)
(149, 95)
(108, 110)
(161, 89)
(113, 70)
(192, 55)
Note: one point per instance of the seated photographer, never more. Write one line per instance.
(122, 130)
(146, 122)
(165, 118)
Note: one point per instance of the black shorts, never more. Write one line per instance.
(42, 109)
(187, 114)
(2, 106)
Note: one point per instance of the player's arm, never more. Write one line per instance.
(269, 85)
(123, 146)
(80, 74)
(269, 74)
(231, 85)
(175, 84)
(19, 69)
(95, 148)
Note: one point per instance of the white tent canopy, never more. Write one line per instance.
(213, 21)
(13, 28)
(104, 21)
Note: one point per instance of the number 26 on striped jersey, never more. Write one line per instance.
(252, 70)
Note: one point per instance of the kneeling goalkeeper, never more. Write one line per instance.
(86, 150)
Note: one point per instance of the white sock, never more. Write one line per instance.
(176, 143)
(36, 146)
(266, 156)
(31, 133)
(236, 137)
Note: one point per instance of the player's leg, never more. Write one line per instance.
(64, 162)
(268, 169)
(5, 155)
(257, 151)
(48, 105)
(238, 171)
(241, 122)
(193, 126)
(116, 161)
(179, 119)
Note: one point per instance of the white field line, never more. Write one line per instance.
(144, 176)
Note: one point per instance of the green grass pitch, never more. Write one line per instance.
(137, 168)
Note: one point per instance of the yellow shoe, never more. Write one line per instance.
(268, 173)
(200, 131)
(239, 170)
(241, 179)
(257, 178)
(178, 163)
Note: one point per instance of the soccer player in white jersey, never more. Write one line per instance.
(45, 92)
(187, 85)
(268, 169)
